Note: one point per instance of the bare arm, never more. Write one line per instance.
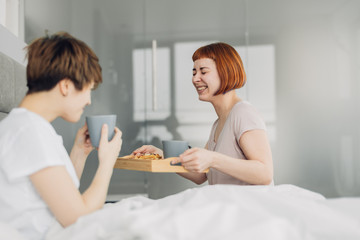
(198, 178)
(257, 169)
(81, 150)
(57, 189)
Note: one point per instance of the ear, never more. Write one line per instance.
(64, 85)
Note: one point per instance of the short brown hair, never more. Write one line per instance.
(228, 64)
(59, 56)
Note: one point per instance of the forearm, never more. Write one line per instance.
(251, 171)
(94, 197)
(58, 190)
(78, 159)
(91, 200)
(197, 178)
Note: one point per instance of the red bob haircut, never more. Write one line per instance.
(228, 64)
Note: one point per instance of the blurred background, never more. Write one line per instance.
(302, 60)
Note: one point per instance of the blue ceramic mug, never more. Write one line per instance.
(95, 124)
(173, 148)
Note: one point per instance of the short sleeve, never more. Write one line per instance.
(29, 150)
(245, 118)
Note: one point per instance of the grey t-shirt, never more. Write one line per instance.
(243, 117)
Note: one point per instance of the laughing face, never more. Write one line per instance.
(205, 78)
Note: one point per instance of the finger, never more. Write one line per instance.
(175, 160)
(83, 129)
(186, 158)
(190, 151)
(147, 148)
(118, 133)
(117, 130)
(192, 167)
(153, 149)
(120, 144)
(104, 134)
(139, 150)
(88, 144)
(143, 149)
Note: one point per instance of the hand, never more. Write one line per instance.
(82, 144)
(148, 149)
(196, 159)
(108, 151)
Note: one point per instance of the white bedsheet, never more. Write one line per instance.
(222, 212)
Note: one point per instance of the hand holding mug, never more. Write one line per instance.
(109, 150)
(196, 159)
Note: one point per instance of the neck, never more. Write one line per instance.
(41, 103)
(223, 103)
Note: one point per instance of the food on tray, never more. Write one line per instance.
(149, 156)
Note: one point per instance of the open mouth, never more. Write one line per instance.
(201, 89)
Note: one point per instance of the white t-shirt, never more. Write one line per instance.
(28, 143)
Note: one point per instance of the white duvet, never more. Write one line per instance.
(222, 212)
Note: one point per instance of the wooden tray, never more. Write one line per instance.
(159, 165)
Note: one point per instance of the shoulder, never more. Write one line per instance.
(28, 143)
(21, 126)
(244, 105)
(244, 109)
(14, 124)
(20, 119)
(245, 117)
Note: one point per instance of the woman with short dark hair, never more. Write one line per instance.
(38, 179)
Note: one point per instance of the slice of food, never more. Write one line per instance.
(150, 156)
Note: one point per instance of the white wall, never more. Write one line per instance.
(12, 45)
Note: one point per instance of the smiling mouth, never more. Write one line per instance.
(201, 89)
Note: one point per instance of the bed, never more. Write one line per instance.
(223, 212)
(218, 212)
(209, 212)
(12, 84)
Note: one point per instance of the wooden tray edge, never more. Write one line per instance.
(159, 165)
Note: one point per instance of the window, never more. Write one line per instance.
(142, 89)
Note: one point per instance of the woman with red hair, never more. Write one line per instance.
(238, 151)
